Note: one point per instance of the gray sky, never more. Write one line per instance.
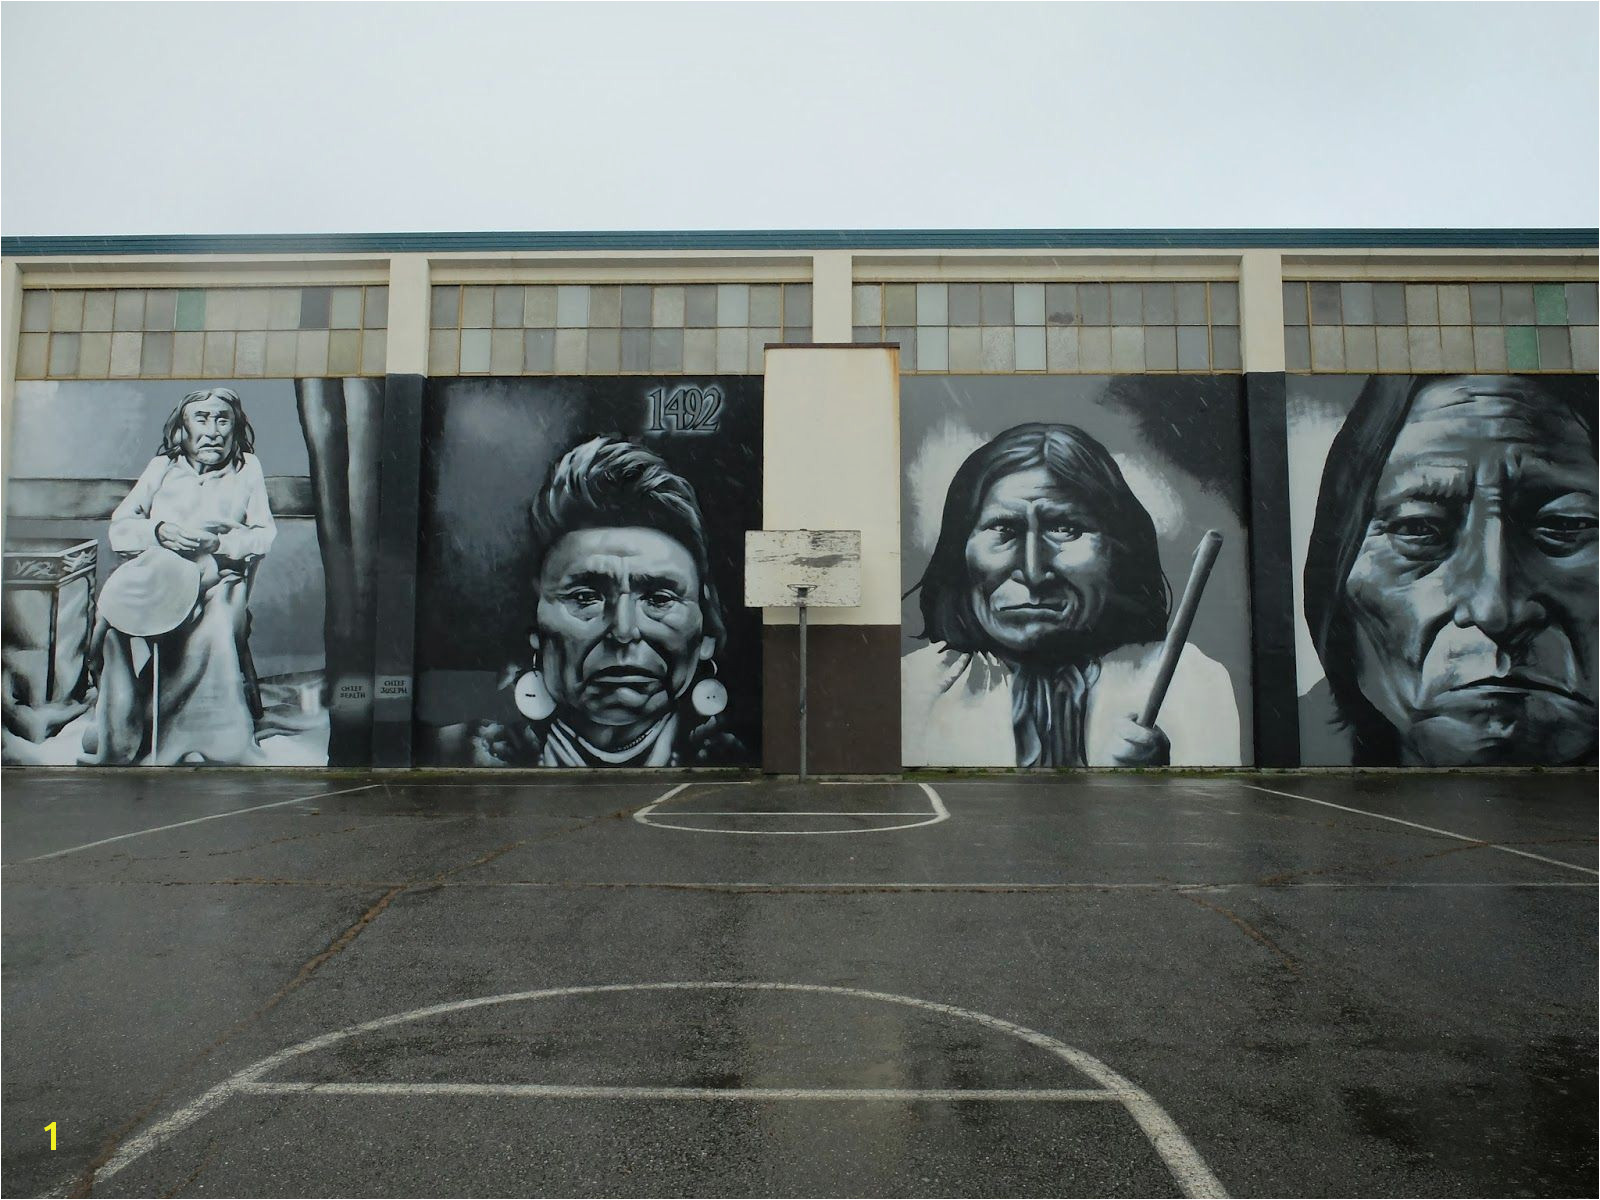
(234, 118)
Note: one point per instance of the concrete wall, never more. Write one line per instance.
(832, 453)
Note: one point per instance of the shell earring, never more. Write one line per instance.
(709, 696)
(533, 698)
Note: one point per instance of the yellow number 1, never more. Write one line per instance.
(51, 1128)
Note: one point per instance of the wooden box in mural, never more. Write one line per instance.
(49, 607)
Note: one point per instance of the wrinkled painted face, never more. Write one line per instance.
(1039, 564)
(1473, 591)
(619, 625)
(208, 432)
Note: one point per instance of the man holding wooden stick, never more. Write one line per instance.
(1047, 614)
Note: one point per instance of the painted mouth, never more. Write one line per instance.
(1035, 609)
(624, 677)
(1516, 682)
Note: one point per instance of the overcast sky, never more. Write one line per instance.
(289, 118)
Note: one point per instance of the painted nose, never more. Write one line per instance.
(1035, 560)
(1489, 589)
(624, 619)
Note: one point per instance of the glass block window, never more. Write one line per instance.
(202, 333)
(1060, 328)
(613, 329)
(1418, 328)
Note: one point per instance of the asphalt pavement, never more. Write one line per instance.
(230, 983)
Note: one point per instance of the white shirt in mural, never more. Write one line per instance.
(956, 708)
(170, 489)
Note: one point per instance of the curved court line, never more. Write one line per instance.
(1190, 1172)
(940, 813)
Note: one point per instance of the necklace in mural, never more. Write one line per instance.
(571, 748)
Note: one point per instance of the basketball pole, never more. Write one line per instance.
(155, 702)
(800, 593)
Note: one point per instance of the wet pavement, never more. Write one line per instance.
(1081, 985)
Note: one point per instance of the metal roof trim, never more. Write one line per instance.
(827, 239)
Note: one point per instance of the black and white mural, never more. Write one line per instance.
(581, 573)
(1049, 527)
(1444, 538)
(178, 557)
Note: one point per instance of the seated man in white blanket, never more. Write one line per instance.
(203, 498)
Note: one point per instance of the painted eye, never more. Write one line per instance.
(1564, 532)
(1419, 535)
(1416, 527)
(1065, 531)
(583, 597)
(1006, 530)
(1420, 530)
(660, 600)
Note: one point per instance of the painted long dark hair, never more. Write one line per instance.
(1136, 611)
(244, 437)
(1344, 510)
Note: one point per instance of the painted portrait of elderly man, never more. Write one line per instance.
(1450, 577)
(212, 604)
(580, 570)
(193, 528)
(627, 624)
(1044, 606)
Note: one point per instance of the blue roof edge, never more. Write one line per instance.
(827, 239)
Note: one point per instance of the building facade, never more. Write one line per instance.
(480, 500)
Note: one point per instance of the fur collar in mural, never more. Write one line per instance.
(963, 709)
(682, 738)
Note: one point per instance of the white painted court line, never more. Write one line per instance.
(196, 821)
(647, 816)
(553, 1091)
(869, 885)
(678, 812)
(630, 781)
(1460, 837)
(1188, 1169)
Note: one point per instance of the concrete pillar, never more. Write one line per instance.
(11, 296)
(832, 461)
(408, 314)
(1275, 708)
(394, 632)
(831, 275)
(1261, 310)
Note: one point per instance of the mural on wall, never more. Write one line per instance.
(1444, 538)
(581, 574)
(1042, 521)
(180, 616)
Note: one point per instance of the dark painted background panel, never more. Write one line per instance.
(394, 637)
(488, 447)
(1276, 707)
